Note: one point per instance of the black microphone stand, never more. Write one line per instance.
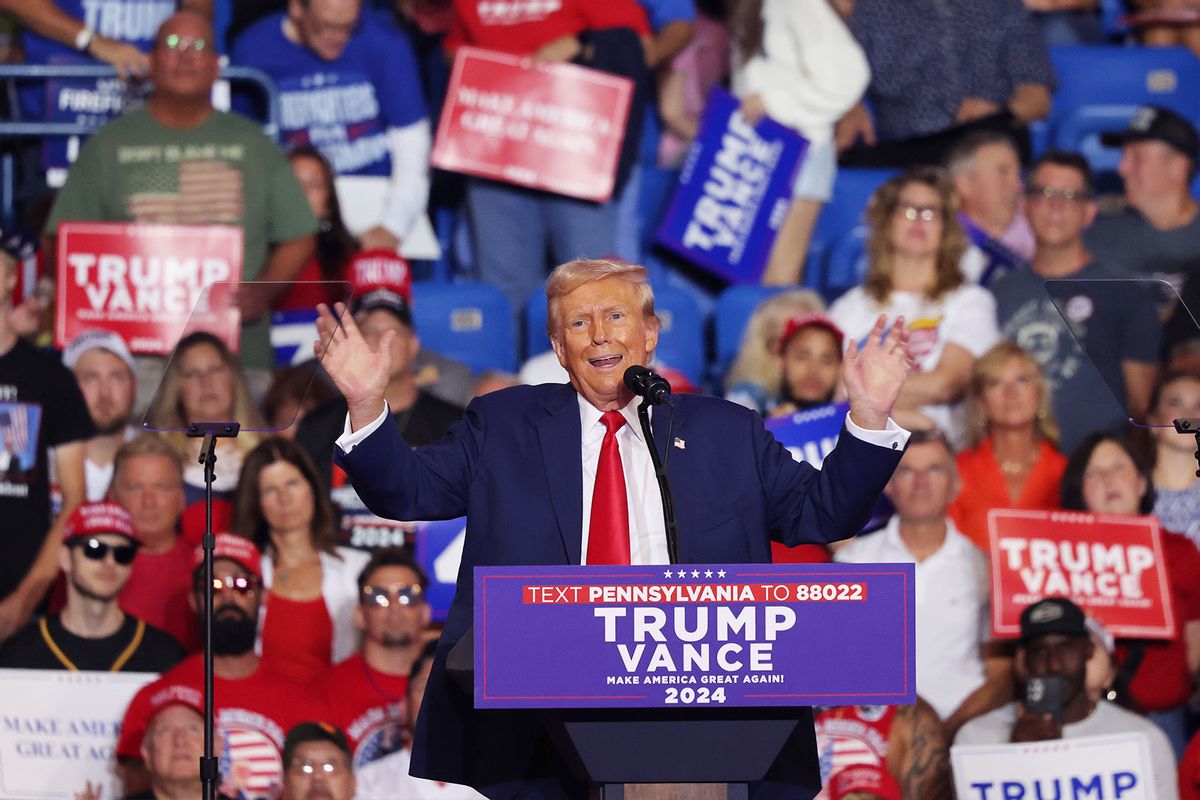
(209, 432)
(664, 487)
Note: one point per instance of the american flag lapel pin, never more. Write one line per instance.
(680, 443)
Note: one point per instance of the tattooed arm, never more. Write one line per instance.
(919, 754)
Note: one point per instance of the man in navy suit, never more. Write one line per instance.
(523, 466)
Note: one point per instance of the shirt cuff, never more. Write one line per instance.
(349, 440)
(892, 436)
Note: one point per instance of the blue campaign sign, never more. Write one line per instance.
(695, 634)
(439, 547)
(733, 192)
(810, 434)
(292, 336)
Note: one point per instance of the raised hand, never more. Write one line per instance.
(359, 369)
(875, 373)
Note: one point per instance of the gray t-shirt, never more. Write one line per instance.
(995, 727)
(1114, 323)
(1131, 244)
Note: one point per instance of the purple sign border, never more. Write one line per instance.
(485, 577)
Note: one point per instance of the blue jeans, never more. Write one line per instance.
(514, 230)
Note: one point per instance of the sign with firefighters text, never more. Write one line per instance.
(555, 127)
(143, 282)
(694, 635)
(1112, 566)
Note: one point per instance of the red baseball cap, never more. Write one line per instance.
(866, 778)
(90, 519)
(236, 548)
(382, 279)
(799, 323)
(175, 694)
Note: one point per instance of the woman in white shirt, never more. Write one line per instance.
(797, 62)
(915, 246)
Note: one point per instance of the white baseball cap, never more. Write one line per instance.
(93, 338)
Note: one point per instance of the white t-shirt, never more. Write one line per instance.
(965, 316)
(995, 727)
(952, 610)
(387, 778)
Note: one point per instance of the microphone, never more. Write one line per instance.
(648, 384)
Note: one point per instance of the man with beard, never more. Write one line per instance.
(104, 370)
(92, 632)
(316, 758)
(253, 706)
(366, 692)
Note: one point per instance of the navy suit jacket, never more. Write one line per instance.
(513, 466)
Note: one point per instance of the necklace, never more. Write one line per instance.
(286, 573)
(1015, 467)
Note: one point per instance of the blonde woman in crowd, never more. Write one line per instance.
(755, 375)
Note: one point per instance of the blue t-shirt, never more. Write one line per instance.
(343, 107)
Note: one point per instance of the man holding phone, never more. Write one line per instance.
(1050, 667)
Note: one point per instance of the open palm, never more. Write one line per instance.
(359, 369)
(875, 373)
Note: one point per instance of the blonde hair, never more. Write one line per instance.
(757, 358)
(568, 277)
(880, 213)
(147, 444)
(986, 367)
(169, 412)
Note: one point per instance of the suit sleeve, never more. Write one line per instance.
(807, 505)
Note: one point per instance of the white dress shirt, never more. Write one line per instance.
(647, 529)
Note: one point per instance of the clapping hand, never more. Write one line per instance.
(359, 369)
(875, 373)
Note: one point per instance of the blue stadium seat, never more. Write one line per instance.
(851, 191)
(734, 307)
(1101, 87)
(680, 343)
(846, 262)
(470, 322)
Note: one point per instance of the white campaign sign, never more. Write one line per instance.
(1115, 767)
(58, 730)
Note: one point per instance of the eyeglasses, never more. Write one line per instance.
(384, 596)
(923, 213)
(1050, 194)
(330, 768)
(242, 584)
(96, 550)
(181, 44)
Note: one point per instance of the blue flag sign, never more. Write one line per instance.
(733, 193)
(811, 434)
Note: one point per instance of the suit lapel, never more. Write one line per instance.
(560, 439)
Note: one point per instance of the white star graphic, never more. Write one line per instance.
(720, 573)
(708, 573)
(667, 574)
(695, 573)
(682, 573)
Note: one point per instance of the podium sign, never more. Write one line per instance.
(143, 281)
(694, 636)
(1111, 565)
(734, 191)
(556, 127)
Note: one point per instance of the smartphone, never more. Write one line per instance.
(1045, 696)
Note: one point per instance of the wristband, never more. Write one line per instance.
(84, 38)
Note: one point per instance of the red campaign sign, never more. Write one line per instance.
(1112, 566)
(556, 127)
(143, 282)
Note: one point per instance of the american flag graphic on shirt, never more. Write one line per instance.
(19, 424)
(204, 191)
(250, 764)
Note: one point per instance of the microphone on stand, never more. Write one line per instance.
(648, 384)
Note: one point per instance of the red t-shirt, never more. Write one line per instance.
(1162, 680)
(158, 589)
(1189, 769)
(370, 706)
(252, 715)
(297, 638)
(521, 27)
(849, 735)
(304, 296)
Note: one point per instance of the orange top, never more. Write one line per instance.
(983, 488)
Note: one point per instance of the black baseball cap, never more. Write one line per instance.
(1053, 615)
(386, 299)
(1154, 123)
(313, 732)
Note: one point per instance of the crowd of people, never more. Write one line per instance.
(1039, 325)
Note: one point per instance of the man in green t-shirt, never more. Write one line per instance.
(180, 161)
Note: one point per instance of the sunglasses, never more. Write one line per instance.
(385, 596)
(96, 550)
(242, 584)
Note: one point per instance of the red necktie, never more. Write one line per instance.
(608, 536)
